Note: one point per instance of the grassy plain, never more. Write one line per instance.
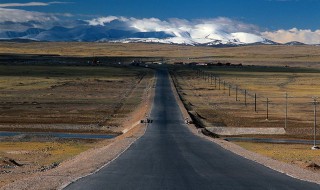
(51, 96)
(309, 56)
(97, 96)
(217, 108)
(214, 107)
(36, 156)
(300, 155)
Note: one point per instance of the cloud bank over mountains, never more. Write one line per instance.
(294, 34)
(199, 31)
(17, 23)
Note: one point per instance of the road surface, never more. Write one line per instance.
(169, 156)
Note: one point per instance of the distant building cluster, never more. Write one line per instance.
(209, 64)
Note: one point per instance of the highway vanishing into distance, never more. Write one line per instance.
(169, 156)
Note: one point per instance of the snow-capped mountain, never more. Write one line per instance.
(99, 33)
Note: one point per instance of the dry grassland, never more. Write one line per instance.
(36, 157)
(300, 155)
(267, 55)
(217, 108)
(63, 99)
(99, 97)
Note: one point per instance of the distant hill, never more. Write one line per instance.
(17, 40)
(294, 43)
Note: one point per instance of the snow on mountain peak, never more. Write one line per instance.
(247, 38)
(124, 29)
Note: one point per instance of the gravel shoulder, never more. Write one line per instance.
(288, 169)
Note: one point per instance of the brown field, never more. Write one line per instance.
(300, 155)
(59, 95)
(41, 92)
(36, 156)
(84, 98)
(212, 106)
(217, 108)
(266, 55)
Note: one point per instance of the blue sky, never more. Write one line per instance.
(271, 16)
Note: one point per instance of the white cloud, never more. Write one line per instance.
(31, 4)
(199, 28)
(17, 15)
(104, 20)
(20, 20)
(301, 35)
(13, 19)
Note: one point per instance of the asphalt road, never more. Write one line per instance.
(169, 156)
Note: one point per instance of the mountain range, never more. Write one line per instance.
(88, 33)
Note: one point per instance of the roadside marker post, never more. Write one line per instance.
(219, 82)
(229, 89)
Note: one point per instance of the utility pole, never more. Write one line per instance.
(267, 109)
(315, 102)
(219, 82)
(286, 119)
(215, 82)
(245, 98)
(255, 102)
(229, 89)
(236, 93)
